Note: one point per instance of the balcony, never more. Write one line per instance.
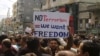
(94, 7)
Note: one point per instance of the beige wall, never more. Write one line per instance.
(84, 15)
(90, 1)
(15, 9)
(51, 3)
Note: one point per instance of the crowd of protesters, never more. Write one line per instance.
(27, 45)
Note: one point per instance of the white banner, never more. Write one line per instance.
(51, 24)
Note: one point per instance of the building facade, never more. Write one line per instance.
(66, 6)
(85, 17)
(14, 9)
(23, 12)
(89, 17)
(15, 21)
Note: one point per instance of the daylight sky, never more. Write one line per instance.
(6, 5)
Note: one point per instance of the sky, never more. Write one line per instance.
(6, 5)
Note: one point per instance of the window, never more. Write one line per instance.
(80, 26)
(80, 23)
(87, 23)
(86, 20)
(96, 23)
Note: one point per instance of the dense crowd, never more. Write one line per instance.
(27, 45)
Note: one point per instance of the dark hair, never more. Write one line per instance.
(54, 40)
(25, 39)
(26, 33)
(33, 44)
(2, 37)
(82, 37)
(92, 48)
(97, 40)
(44, 43)
(76, 42)
(7, 44)
(17, 39)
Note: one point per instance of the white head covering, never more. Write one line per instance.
(28, 30)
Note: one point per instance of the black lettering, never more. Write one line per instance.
(61, 34)
(58, 27)
(63, 27)
(50, 34)
(55, 34)
(52, 26)
(38, 17)
(40, 33)
(44, 25)
(45, 34)
(66, 34)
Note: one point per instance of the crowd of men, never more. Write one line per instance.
(27, 45)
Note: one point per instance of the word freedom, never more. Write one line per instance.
(50, 34)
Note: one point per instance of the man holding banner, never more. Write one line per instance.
(52, 25)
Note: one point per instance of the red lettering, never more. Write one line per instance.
(46, 19)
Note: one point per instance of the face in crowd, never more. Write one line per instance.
(88, 49)
(53, 44)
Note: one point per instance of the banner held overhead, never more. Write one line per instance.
(51, 24)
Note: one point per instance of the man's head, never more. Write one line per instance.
(33, 44)
(6, 44)
(65, 53)
(2, 37)
(89, 48)
(53, 43)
